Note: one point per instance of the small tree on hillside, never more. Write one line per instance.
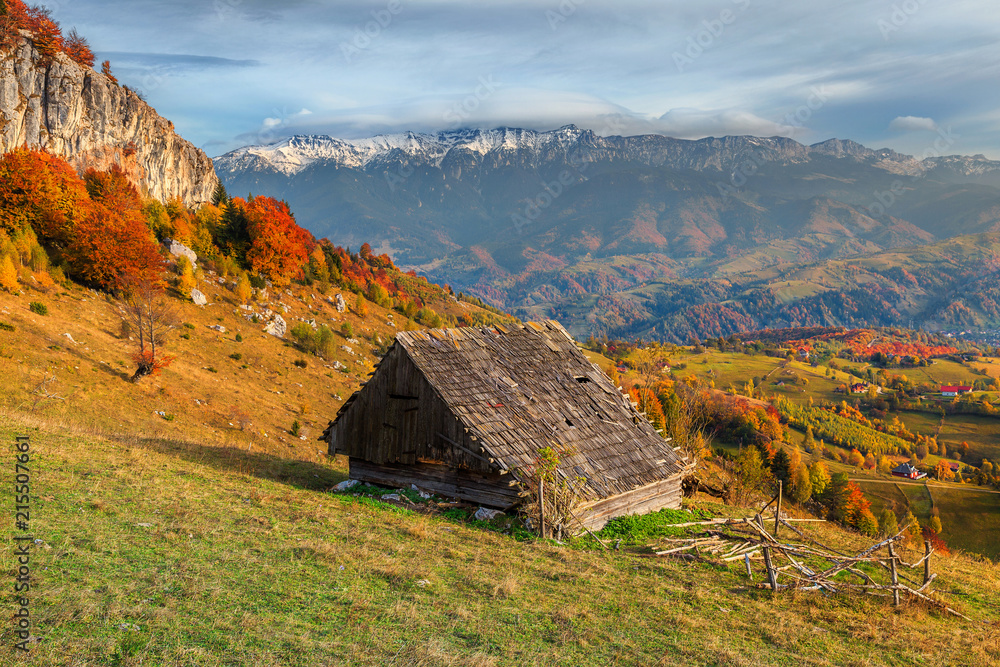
(185, 276)
(749, 477)
(802, 487)
(145, 310)
(106, 71)
(361, 306)
(8, 274)
(887, 524)
(243, 290)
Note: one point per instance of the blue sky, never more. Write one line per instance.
(900, 74)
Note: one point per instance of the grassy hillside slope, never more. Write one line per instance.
(184, 539)
(160, 550)
(219, 390)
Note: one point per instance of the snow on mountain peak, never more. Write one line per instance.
(294, 154)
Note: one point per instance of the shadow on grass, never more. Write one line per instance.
(294, 472)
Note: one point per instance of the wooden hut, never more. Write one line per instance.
(463, 412)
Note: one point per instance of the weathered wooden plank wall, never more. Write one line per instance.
(489, 489)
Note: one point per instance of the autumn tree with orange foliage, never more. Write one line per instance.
(42, 192)
(264, 233)
(78, 49)
(45, 33)
(648, 403)
(113, 243)
(279, 248)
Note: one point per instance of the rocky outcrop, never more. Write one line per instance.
(84, 117)
(178, 249)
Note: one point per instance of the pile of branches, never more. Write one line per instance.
(809, 565)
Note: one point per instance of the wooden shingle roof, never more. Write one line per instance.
(520, 389)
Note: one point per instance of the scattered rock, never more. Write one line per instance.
(340, 303)
(180, 250)
(198, 297)
(422, 494)
(70, 339)
(392, 496)
(217, 327)
(484, 514)
(346, 484)
(276, 327)
(423, 582)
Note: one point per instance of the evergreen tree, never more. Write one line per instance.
(219, 195)
(835, 496)
(780, 466)
(867, 523)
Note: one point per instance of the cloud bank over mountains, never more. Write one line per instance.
(231, 72)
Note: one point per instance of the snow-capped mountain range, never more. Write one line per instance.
(296, 153)
(293, 155)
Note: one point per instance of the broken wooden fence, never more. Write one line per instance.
(811, 566)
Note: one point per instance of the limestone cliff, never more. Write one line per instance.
(84, 117)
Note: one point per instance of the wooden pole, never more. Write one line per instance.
(895, 576)
(927, 561)
(771, 574)
(746, 559)
(777, 512)
(541, 507)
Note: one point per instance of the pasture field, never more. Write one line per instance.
(982, 434)
(170, 551)
(970, 519)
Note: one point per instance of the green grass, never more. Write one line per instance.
(982, 434)
(970, 516)
(971, 520)
(170, 552)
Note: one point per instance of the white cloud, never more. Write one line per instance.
(699, 123)
(912, 124)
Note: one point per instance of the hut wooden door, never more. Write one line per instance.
(392, 421)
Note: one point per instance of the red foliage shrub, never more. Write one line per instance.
(109, 244)
(855, 504)
(78, 49)
(96, 225)
(936, 542)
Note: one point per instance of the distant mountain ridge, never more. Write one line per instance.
(544, 222)
(296, 153)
